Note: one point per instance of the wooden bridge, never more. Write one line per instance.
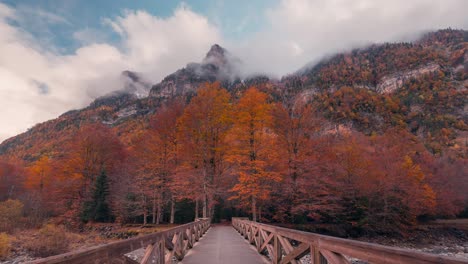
(198, 242)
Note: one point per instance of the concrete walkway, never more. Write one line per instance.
(222, 245)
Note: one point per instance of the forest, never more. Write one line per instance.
(322, 150)
(220, 155)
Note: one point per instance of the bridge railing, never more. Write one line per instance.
(284, 245)
(161, 247)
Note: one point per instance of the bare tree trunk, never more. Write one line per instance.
(145, 213)
(254, 209)
(260, 213)
(172, 210)
(159, 213)
(205, 205)
(196, 209)
(154, 208)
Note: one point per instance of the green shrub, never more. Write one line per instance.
(5, 246)
(51, 240)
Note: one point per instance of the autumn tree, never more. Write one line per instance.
(11, 179)
(145, 156)
(202, 129)
(40, 177)
(449, 182)
(124, 194)
(42, 188)
(155, 152)
(347, 166)
(296, 125)
(251, 140)
(164, 125)
(400, 190)
(94, 149)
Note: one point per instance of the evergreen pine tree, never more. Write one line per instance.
(101, 191)
(98, 209)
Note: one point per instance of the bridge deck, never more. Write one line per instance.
(222, 244)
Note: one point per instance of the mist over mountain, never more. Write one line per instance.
(379, 134)
(218, 65)
(141, 120)
(390, 68)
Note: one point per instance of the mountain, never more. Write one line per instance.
(419, 86)
(135, 84)
(218, 65)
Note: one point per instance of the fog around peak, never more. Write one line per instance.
(39, 82)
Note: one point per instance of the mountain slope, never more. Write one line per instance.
(419, 86)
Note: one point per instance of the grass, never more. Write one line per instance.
(52, 239)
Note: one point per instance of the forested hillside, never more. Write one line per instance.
(372, 140)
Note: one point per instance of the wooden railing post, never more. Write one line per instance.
(314, 255)
(277, 251)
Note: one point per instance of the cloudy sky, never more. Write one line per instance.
(58, 55)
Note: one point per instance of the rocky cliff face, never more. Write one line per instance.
(218, 65)
(392, 82)
(377, 78)
(135, 84)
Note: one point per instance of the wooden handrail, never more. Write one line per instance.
(287, 246)
(161, 247)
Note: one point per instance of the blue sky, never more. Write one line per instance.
(236, 19)
(58, 55)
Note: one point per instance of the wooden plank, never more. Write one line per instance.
(148, 257)
(333, 257)
(223, 245)
(271, 251)
(296, 253)
(258, 243)
(287, 247)
(189, 237)
(277, 254)
(266, 241)
(314, 255)
(285, 244)
(161, 252)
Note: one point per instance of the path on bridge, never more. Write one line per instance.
(222, 244)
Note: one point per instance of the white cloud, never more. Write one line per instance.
(301, 31)
(160, 46)
(38, 83)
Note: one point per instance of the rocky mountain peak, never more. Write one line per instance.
(134, 84)
(131, 75)
(216, 56)
(218, 65)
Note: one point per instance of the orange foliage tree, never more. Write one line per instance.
(202, 130)
(296, 125)
(252, 144)
(155, 153)
(94, 149)
(41, 186)
(11, 179)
